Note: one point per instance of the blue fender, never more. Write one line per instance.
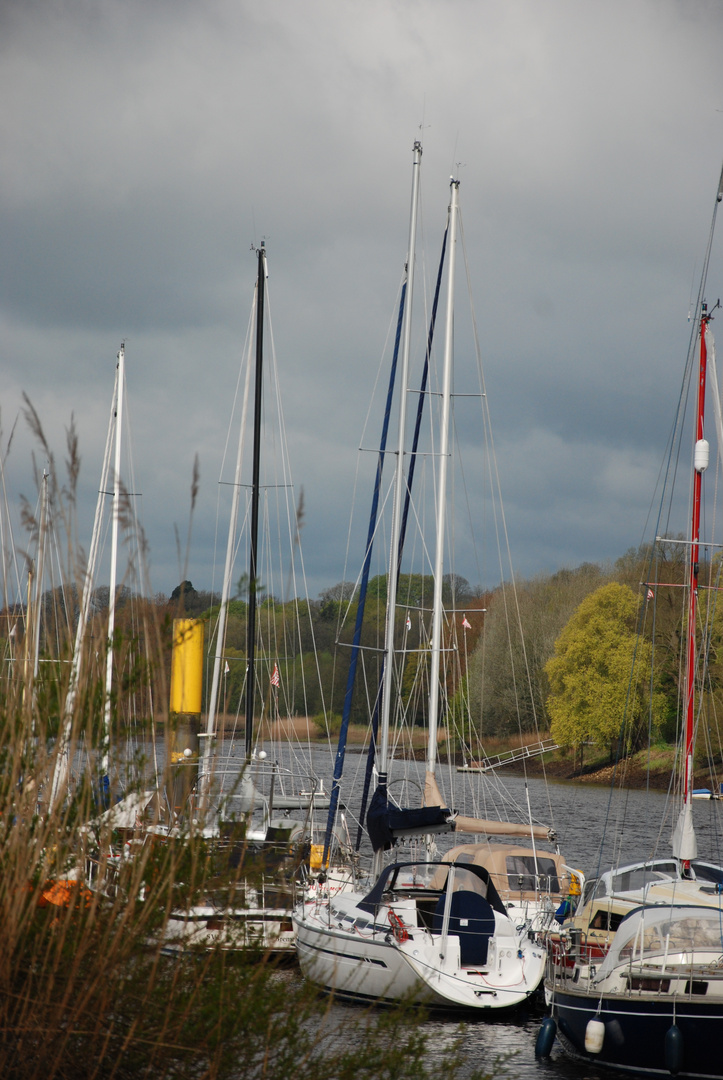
(674, 1050)
(545, 1038)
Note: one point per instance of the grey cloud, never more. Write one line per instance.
(145, 147)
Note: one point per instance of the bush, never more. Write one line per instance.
(329, 724)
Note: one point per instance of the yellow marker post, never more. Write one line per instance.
(186, 701)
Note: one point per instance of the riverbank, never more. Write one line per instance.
(648, 768)
(651, 768)
(644, 769)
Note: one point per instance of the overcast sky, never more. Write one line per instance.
(146, 146)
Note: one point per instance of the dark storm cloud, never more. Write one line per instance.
(145, 147)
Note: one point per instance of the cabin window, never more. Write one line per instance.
(633, 880)
(606, 920)
(655, 986)
(528, 874)
(704, 872)
(467, 881)
(679, 934)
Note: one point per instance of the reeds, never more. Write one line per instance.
(88, 985)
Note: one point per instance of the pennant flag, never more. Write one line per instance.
(226, 669)
(651, 594)
(466, 624)
(13, 628)
(409, 622)
(275, 680)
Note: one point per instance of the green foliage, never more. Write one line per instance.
(415, 685)
(331, 723)
(508, 684)
(599, 675)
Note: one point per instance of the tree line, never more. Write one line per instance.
(575, 654)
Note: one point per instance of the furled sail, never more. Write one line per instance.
(433, 797)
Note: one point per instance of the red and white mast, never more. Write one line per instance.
(684, 841)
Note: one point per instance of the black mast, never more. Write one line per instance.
(253, 550)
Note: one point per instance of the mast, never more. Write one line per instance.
(34, 608)
(105, 751)
(42, 540)
(421, 397)
(393, 573)
(684, 840)
(204, 780)
(434, 693)
(254, 538)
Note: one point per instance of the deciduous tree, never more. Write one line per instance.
(600, 673)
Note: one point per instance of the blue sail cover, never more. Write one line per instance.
(385, 823)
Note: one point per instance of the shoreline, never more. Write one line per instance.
(638, 771)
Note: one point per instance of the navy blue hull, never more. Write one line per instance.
(637, 1036)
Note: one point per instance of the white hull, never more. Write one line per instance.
(401, 949)
(503, 982)
(369, 970)
(205, 927)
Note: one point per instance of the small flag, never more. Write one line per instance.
(651, 594)
(466, 624)
(13, 628)
(226, 669)
(275, 680)
(409, 622)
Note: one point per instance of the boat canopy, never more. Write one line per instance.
(417, 876)
(515, 870)
(665, 931)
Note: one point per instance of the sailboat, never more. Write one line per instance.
(260, 809)
(425, 930)
(646, 995)
(110, 483)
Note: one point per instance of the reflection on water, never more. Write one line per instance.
(501, 1047)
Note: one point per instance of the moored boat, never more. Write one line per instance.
(635, 981)
(429, 928)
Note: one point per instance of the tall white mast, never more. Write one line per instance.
(434, 689)
(388, 655)
(42, 540)
(120, 386)
(204, 779)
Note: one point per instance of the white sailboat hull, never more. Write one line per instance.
(394, 956)
(368, 970)
(502, 983)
